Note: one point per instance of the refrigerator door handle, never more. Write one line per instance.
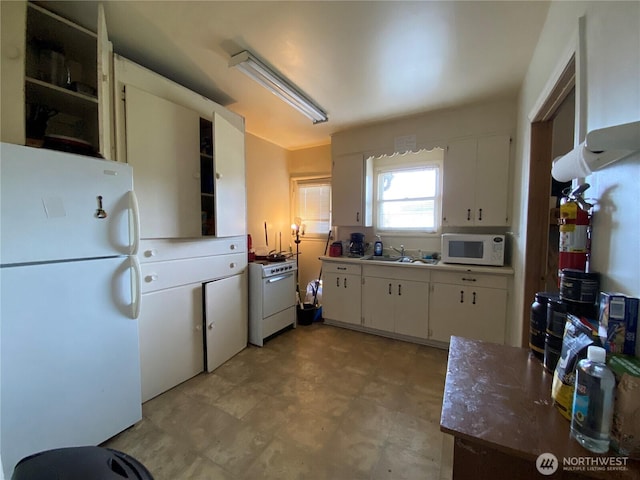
(135, 222)
(136, 287)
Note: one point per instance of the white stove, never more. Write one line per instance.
(272, 298)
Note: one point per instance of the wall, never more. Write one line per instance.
(612, 97)
(269, 168)
(433, 129)
(267, 194)
(315, 161)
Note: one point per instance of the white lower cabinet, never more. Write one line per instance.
(468, 305)
(428, 305)
(341, 292)
(396, 300)
(412, 309)
(170, 338)
(171, 308)
(225, 319)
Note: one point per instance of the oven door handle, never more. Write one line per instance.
(277, 279)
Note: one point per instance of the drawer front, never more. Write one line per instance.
(469, 278)
(416, 274)
(172, 273)
(159, 250)
(342, 268)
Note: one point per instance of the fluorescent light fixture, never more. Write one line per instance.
(258, 71)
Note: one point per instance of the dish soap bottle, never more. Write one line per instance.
(377, 247)
(593, 401)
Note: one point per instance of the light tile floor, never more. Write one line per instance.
(317, 402)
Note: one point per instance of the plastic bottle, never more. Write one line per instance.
(593, 401)
(377, 247)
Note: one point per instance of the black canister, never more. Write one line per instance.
(556, 317)
(552, 351)
(578, 286)
(538, 322)
(556, 321)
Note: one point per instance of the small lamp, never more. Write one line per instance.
(297, 229)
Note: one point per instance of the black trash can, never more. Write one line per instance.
(80, 463)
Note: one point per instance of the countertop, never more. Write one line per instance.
(499, 397)
(438, 266)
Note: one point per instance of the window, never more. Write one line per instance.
(312, 204)
(407, 191)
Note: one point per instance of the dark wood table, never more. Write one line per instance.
(497, 404)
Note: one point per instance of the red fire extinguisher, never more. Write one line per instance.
(575, 230)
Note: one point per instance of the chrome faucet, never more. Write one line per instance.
(401, 251)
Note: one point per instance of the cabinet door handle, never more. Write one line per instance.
(342, 268)
(345, 282)
(461, 296)
(480, 214)
(399, 289)
(474, 298)
(464, 279)
(337, 281)
(218, 175)
(357, 216)
(389, 289)
(468, 214)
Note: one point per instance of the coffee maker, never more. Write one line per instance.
(356, 246)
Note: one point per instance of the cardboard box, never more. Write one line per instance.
(618, 322)
(625, 430)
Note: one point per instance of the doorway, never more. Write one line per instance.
(552, 135)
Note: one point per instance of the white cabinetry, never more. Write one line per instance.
(171, 313)
(229, 178)
(226, 312)
(396, 299)
(476, 179)
(187, 154)
(468, 305)
(170, 338)
(163, 147)
(350, 191)
(341, 292)
(52, 67)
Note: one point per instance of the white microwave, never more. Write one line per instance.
(473, 249)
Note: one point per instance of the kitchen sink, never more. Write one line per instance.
(384, 259)
(405, 259)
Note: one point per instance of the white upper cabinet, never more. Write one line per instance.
(350, 192)
(105, 88)
(187, 154)
(476, 174)
(163, 148)
(189, 171)
(229, 178)
(55, 81)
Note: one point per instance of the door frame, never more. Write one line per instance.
(540, 162)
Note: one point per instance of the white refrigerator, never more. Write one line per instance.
(69, 285)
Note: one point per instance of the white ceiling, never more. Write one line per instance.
(361, 61)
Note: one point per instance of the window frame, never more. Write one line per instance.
(295, 182)
(433, 158)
